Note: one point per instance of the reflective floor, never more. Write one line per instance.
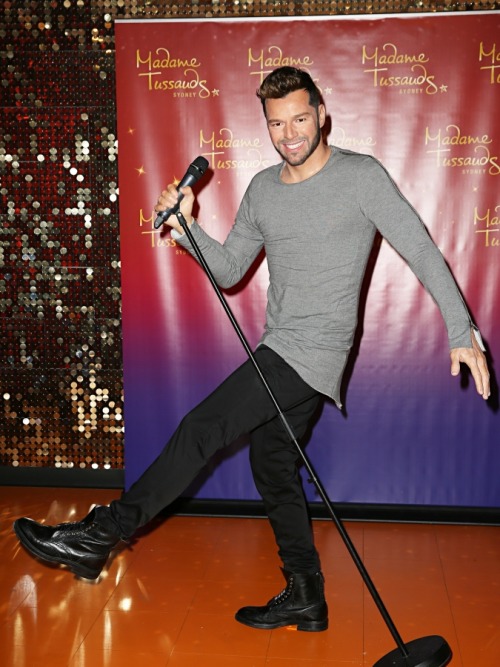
(170, 599)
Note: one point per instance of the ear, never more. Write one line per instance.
(321, 114)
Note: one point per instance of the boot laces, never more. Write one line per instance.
(82, 527)
(75, 526)
(284, 595)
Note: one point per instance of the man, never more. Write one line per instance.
(316, 214)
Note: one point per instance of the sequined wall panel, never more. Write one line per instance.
(60, 366)
(60, 338)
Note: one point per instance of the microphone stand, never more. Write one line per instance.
(430, 651)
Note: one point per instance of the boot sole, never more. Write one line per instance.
(79, 570)
(304, 626)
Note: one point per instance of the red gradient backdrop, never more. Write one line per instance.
(421, 93)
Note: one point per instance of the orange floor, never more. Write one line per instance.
(170, 599)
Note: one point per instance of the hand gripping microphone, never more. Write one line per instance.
(195, 171)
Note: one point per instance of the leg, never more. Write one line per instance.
(275, 466)
(238, 406)
(274, 460)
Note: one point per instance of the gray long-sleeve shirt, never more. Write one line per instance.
(317, 236)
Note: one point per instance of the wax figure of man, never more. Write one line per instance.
(316, 214)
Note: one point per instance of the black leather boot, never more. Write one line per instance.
(83, 546)
(301, 603)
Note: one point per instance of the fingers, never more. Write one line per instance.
(483, 382)
(482, 377)
(455, 363)
(168, 198)
(478, 377)
(476, 361)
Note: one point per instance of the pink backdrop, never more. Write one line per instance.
(422, 94)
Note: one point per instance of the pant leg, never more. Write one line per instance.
(239, 405)
(275, 466)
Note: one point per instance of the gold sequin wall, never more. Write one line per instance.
(60, 327)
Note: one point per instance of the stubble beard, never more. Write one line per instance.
(300, 159)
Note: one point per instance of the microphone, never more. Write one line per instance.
(195, 171)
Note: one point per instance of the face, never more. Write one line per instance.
(294, 126)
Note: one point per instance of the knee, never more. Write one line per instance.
(269, 470)
(198, 434)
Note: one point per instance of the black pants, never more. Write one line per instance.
(240, 405)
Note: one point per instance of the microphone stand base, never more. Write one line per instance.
(431, 651)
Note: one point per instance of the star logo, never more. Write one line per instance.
(140, 170)
(215, 92)
(443, 88)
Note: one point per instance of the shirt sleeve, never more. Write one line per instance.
(230, 260)
(398, 222)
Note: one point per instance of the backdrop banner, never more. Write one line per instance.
(420, 93)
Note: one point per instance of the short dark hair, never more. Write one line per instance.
(284, 80)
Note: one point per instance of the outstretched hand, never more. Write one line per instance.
(476, 361)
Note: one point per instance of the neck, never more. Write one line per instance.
(301, 172)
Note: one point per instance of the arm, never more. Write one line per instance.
(228, 261)
(398, 222)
